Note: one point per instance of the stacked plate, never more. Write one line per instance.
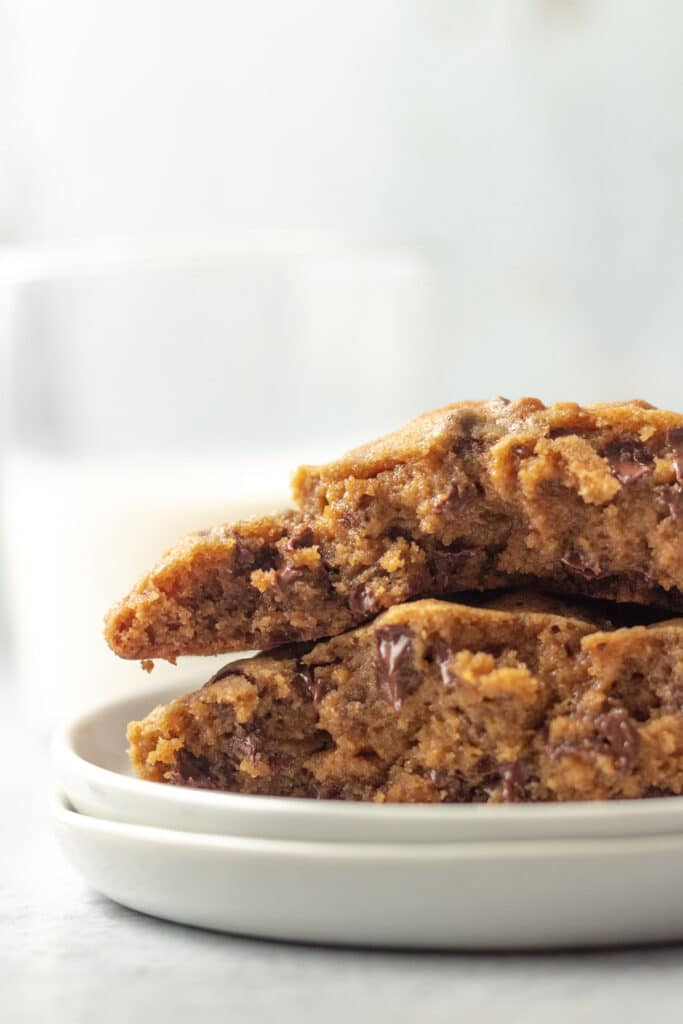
(446, 876)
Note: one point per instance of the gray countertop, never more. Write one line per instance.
(69, 955)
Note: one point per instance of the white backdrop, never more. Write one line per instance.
(533, 150)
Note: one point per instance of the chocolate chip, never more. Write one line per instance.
(243, 745)
(513, 778)
(418, 582)
(305, 679)
(674, 442)
(673, 499)
(475, 788)
(445, 565)
(280, 760)
(363, 602)
(468, 447)
(454, 497)
(284, 577)
(288, 572)
(614, 735)
(467, 422)
(556, 432)
(635, 578)
(442, 655)
(394, 669)
(590, 572)
(399, 532)
(243, 558)
(192, 770)
(449, 500)
(578, 565)
(300, 537)
(628, 459)
(451, 784)
(222, 673)
(622, 737)
(485, 767)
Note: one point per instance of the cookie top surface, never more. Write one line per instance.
(489, 421)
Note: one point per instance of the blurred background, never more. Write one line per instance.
(241, 234)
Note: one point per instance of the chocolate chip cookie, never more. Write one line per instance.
(470, 497)
(523, 699)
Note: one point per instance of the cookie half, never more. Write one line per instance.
(470, 497)
(438, 702)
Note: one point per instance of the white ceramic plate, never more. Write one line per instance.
(93, 770)
(531, 894)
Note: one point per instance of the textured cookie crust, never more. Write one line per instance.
(473, 496)
(438, 702)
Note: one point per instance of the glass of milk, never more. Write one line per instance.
(152, 389)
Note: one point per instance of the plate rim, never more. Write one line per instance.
(63, 813)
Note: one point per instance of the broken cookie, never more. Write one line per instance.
(470, 497)
(524, 699)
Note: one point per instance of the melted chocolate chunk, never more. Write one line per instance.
(419, 581)
(451, 784)
(468, 447)
(300, 537)
(442, 655)
(628, 459)
(243, 557)
(243, 745)
(454, 497)
(673, 499)
(482, 781)
(306, 680)
(513, 781)
(394, 532)
(363, 602)
(191, 770)
(288, 572)
(674, 442)
(226, 670)
(635, 578)
(615, 735)
(556, 432)
(303, 681)
(622, 737)
(468, 422)
(577, 565)
(394, 669)
(284, 577)
(444, 564)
